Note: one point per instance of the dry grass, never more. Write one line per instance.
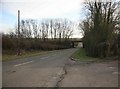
(8, 57)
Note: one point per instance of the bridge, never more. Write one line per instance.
(76, 42)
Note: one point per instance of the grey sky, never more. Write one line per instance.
(39, 9)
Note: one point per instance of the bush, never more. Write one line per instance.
(33, 44)
(8, 43)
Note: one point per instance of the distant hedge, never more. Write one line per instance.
(33, 44)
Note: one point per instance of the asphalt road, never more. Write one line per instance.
(38, 71)
(55, 69)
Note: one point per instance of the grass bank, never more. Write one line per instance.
(80, 55)
(8, 57)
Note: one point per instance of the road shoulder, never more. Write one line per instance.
(91, 74)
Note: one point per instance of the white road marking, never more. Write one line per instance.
(115, 72)
(44, 57)
(111, 67)
(22, 63)
(47, 56)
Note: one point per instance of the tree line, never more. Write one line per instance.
(101, 29)
(47, 34)
(53, 28)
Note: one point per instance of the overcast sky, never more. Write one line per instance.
(38, 9)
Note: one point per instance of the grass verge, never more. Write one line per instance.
(80, 55)
(8, 57)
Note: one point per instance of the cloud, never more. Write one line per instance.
(39, 9)
(6, 28)
(42, 8)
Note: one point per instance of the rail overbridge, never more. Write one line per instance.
(77, 43)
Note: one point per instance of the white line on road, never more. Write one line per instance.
(47, 57)
(44, 57)
(22, 63)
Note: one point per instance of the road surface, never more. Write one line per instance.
(88, 74)
(39, 71)
(55, 69)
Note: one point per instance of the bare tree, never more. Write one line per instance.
(68, 30)
(51, 28)
(44, 32)
(99, 27)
